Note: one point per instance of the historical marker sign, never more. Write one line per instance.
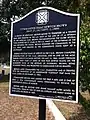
(45, 55)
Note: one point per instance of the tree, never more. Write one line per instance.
(85, 56)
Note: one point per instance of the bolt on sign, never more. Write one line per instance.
(45, 55)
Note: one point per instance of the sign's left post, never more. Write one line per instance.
(42, 109)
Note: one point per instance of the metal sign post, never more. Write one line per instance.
(42, 109)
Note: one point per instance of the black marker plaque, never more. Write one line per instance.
(45, 55)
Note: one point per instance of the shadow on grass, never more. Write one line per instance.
(84, 112)
(4, 78)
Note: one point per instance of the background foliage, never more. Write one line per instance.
(14, 9)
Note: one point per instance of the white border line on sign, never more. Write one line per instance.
(78, 24)
(77, 67)
(11, 58)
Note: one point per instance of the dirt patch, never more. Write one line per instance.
(18, 108)
(73, 111)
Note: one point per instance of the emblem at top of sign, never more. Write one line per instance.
(42, 17)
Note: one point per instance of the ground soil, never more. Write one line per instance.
(74, 111)
(18, 108)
